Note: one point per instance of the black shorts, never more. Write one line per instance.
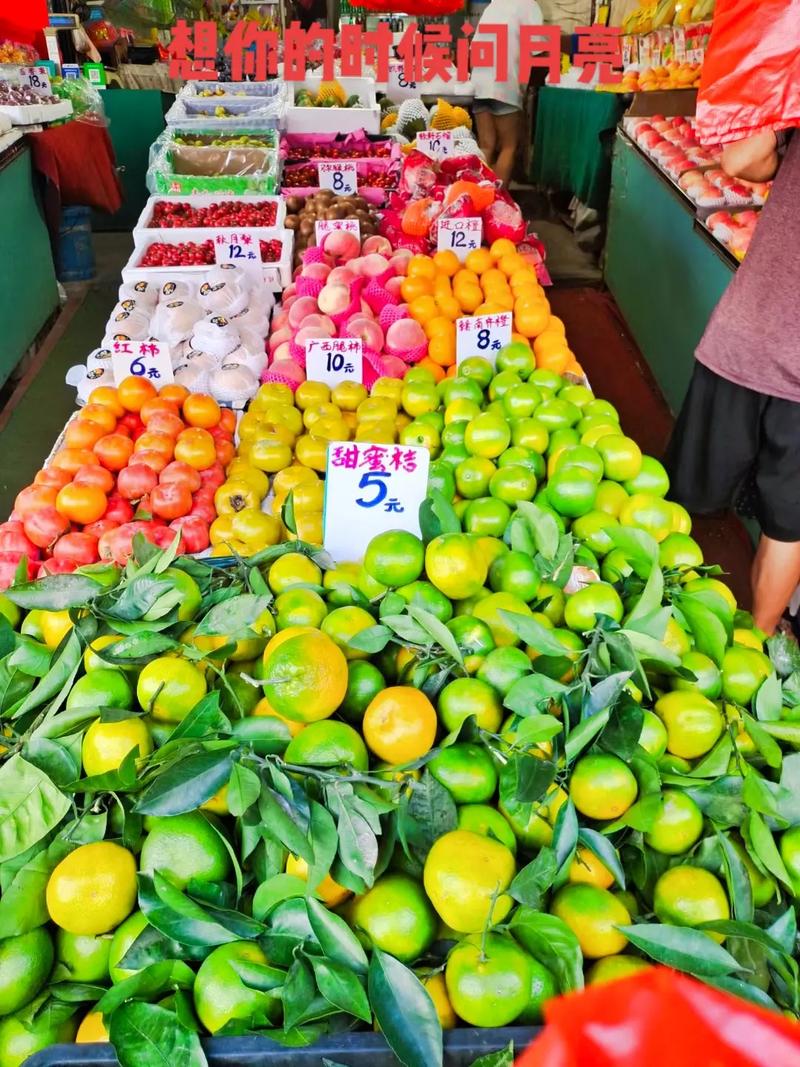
(727, 435)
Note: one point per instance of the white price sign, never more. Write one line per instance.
(340, 177)
(335, 360)
(232, 249)
(461, 236)
(36, 78)
(398, 86)
(326, 226)
(371, 488)
(482, 335)
(142, 359)
(438, 144)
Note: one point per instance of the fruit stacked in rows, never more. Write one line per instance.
(134, 460)
(199, 254)
(177, 214)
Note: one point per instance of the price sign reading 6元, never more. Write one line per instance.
(371, 488)
(142, 359)
(483, 335)
(340, 177)
(334, 360)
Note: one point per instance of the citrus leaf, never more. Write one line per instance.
(405, 1012)
(337, 940)
(532, 691)
(784, 652)
(56, 592)
(605, 852)
(137, 649)
(504, 1057)
(175, 915)
(244, 788)
(373, 639)
(550, 941)
(341, 988)
(437, 516)
(204, 718)
(769, 702)
(324, 842)
(149, 982)
(681, 947)
(280, 822)
(30, 806)
(146, 1035)
(584, 733)
(58, 681)
(438, 631)
(232, 618)
(274, 891)
(763, 849)
(186, 785)
(650, 600)
(298, 992)
(543, 527)
(534, 880)
(565, 833)
(640, 548)
(708, 631)
(31, 657)
(746, 990)
(532, 632)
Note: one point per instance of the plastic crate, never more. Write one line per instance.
(276, 275)
(461, 1048)
(143, 232)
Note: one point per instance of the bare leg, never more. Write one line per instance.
(508, 128)
(775, 576)
(487, 137)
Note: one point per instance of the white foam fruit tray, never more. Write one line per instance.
(144, 233)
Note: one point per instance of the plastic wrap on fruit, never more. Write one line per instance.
(391, 228)
(468, 168)
(659, 1018)
(419, 175)
(482, 194)
(419, 216)
(503, 219)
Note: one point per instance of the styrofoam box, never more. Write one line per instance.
(143, 233)
(335, 119)
(260, 89)
(276, 275)
(31, 114)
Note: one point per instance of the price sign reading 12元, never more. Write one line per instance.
(341, 177)
(482, 335)
(371, 488)
(237, 250)
(461, 236)
(142, 359)
(334, 360)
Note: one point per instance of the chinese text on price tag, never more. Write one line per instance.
(334, 360)
(461, 236)
(237, 250)
(341, 177)
(369, 489)
(143, 359)
(326, 226)
(483, 335)
(438, 144)
(399, 88)
(36, 78)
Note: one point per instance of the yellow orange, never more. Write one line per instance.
(447, 263)
(463, 276)
(421, 267)
(442, 350)
(414, 287)
(530, 320)
(439, 326)
(434, 368)
(469, 297)
(449, 307)
(479, 260)
(502, 247)
(423, 308)
(493, 276)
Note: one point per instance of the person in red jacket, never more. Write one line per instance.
(741, 417)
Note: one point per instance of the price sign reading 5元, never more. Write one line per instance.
(483, 335)
(371, 488)
(340, 177)
(36, 78)
(461, 236)
(142, 359)
(438, 144)
(237, 249)
(335, 360)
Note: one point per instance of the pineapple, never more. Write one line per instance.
(331, 91)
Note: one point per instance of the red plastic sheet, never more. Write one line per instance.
(431, 8)
(751, 71)
(661, 1019)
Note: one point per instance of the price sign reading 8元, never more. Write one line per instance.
(461, 236)
(341, 178)
(335, 360)
(142, 359)
(371, 488)
(482, 335)
(399, 88)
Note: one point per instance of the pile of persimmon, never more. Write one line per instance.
(134, 459)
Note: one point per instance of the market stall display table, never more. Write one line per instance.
(28, 289)
(664, 271)
(568, 153)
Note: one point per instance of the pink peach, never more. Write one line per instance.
(374, 264)
(304, 305)
(342, 275)
(319, 271)
(279, 320)
(278, 338)
(333, 299)
(392, 286)
(309, 333)
(404, 335)
(376, 243)
(320, 321)
(341, 244)
(282, 352)
(368, 330)
(394, 367)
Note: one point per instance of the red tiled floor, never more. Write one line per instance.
(618, 372)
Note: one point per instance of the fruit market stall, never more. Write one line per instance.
(25, 305)
(663, 265)
(355, 663)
